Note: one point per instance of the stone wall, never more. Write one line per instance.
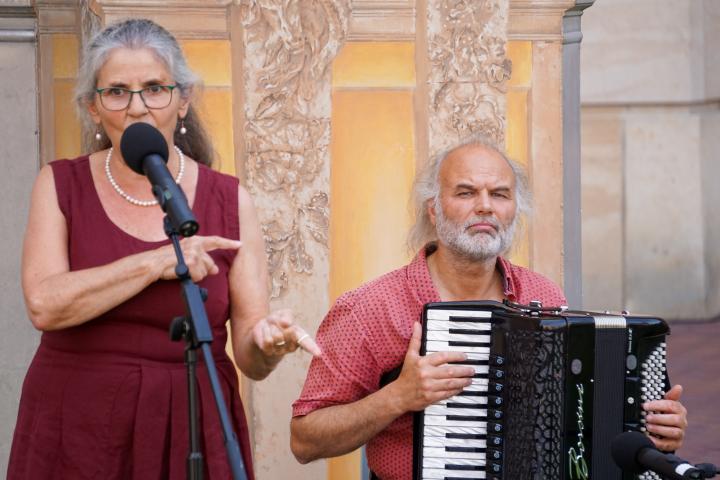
(651, 98)
(18, 164)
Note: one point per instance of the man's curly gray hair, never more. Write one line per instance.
(427, 187)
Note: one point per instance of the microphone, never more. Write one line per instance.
(146, 152)
(635, 453)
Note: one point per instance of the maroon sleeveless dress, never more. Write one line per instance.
(108, 399)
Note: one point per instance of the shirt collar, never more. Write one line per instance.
(419, 277)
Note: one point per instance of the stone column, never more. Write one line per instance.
(572, 237)
(540, 22)
(289, 47)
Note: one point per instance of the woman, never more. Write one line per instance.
(106, 396)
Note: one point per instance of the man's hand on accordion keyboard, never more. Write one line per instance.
(427, 379)
(667, 420)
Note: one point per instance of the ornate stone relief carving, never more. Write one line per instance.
(289, 48)
(468, 69)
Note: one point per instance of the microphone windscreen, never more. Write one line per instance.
(140, 140)
(625, 448)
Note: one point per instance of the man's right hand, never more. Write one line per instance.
(427, 379)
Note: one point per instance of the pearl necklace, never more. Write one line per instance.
(133, 200)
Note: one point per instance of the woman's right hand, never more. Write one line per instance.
(195, 251)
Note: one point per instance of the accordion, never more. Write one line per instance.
(551, 389)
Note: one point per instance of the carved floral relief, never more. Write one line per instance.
(468, 69)
(289, 50)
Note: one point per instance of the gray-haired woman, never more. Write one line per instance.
(105, 395)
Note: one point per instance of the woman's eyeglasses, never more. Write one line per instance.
(118, 98)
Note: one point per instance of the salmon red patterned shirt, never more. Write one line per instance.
(367, 332)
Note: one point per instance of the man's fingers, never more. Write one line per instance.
(668, 433)
(453, 371)
(415, 339)
(440, 358)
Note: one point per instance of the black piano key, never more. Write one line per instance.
(470, 362)
(450, 466)
(462, 405)
(466, 436)
(461, 331)
(453, 343)
(466, 418)
(466, 449)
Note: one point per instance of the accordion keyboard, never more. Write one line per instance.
(459, 433)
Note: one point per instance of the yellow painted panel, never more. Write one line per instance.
(216, 112)
(371, 178)
(65, 50)
(67, 126)
(346, 467)
(516, 145)
(375, 64)
(520, 54)
(210, 59)
(516, 134)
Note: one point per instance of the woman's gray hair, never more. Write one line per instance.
(136, 34)
(427, 187)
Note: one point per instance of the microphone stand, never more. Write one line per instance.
(195, 329)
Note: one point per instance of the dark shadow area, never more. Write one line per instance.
(694, 361)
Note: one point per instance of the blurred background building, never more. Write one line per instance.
(325, 109)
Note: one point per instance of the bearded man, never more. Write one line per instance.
(468, 204)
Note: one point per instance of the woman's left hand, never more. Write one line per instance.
(277, 335)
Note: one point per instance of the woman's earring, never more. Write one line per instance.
(98, 135)
(183, 130)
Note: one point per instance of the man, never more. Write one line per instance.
(469, 202)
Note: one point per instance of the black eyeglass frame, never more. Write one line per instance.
(100, 91)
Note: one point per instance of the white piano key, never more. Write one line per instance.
(436, 473)
(453, 442)
(444, 347)
(443, 410)
(445, 325)
(463, 399)
(442, 421)
(433, 462)
(444, 430)
(456, 337)
(440, 452)
(438, 314)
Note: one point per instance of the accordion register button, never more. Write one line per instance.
(493, 454)
(495, 401)
(495, 414)
(494, 467)
(497, 374)
(495, 427)
(497, 360)
(496, 387)
(494, 441)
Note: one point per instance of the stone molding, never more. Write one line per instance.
(378, 20)
(537, 19)
(209, 17)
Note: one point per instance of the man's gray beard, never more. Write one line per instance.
(480, 246)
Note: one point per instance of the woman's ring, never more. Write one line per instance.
(280, 344)
(303, 337)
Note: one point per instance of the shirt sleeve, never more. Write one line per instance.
(347, 370)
